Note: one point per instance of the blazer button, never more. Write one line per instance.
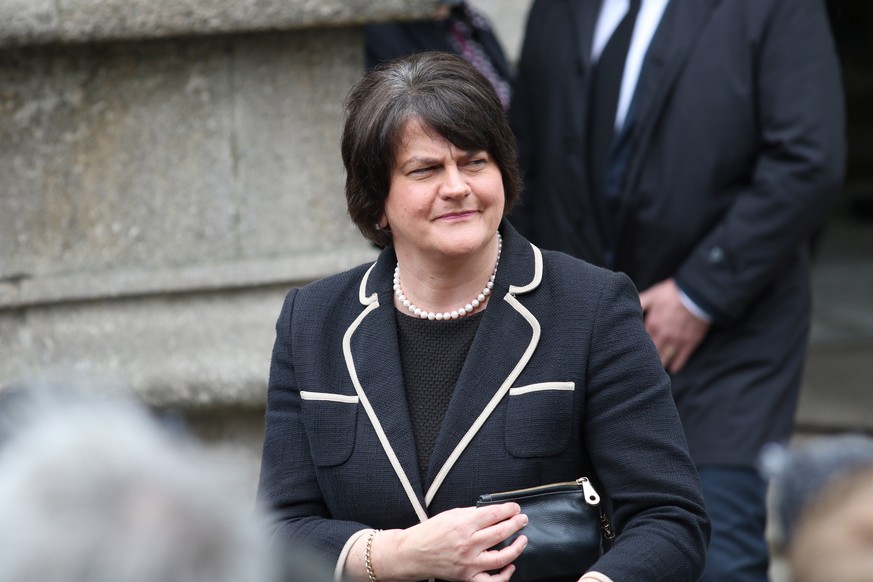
(716, 255)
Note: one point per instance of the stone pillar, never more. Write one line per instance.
(509, 18)
(169, 169)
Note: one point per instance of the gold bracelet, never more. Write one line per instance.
(368, 556)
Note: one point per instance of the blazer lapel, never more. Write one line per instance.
(504, 342)
(673, 43)
(372, 357)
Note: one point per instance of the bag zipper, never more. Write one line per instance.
(591, 496)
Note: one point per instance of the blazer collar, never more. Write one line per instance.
(504, 342)
(520, 269)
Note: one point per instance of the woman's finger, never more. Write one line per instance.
(491, 514)
(503, 576)
(496, 533)
(491, 560)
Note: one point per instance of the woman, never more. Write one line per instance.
(464, 361)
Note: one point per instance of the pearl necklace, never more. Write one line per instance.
(454, 314)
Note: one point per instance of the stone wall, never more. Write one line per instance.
(170, 168)
(142, 179)
(32, 22)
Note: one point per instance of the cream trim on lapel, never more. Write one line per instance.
(537, 276)
(372, 303)
(507, 383)
(362, 290)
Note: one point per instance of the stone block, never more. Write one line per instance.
(116, 155)
(178, 351)
(28, 22)
(173, 153)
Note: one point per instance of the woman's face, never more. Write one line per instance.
(443, 202)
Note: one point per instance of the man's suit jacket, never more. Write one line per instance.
(561, 381)
(732, 152)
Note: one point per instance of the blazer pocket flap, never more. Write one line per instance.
(538, 419)
(331, 423)
(542, 386)
(328, 397)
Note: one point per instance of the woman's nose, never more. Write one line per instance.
(454, 185)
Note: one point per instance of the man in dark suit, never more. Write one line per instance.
(694, 145)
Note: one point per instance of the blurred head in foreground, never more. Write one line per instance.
(824, 496)
(97, 491)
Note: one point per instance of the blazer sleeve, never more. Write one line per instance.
(288, 489)
(797, 173)
(635, 440)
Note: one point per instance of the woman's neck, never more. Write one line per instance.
(441, 285)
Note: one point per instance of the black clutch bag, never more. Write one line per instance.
(567, 529)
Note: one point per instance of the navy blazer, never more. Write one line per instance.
(733, 151)
(561, 381)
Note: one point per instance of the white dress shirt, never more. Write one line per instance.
(648, 20)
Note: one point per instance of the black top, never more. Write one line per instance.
(432, 354)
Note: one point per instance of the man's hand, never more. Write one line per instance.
(676, 331)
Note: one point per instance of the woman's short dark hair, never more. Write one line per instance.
(444, 93)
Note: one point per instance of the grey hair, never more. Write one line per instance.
(801, 475)
(93, 490)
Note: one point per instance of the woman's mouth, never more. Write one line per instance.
(456, 215)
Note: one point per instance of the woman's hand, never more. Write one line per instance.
(452, 545)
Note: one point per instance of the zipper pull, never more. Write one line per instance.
(591, 496)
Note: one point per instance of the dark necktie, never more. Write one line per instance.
(606, 87)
